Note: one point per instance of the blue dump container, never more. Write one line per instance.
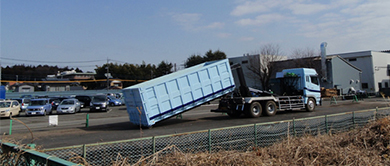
(161, 98)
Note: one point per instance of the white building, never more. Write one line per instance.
(375, 66)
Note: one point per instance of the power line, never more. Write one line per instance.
(51, 61)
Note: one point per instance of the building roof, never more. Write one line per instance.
(338, 56)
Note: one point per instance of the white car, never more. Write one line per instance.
(9, 108)
(69, 106)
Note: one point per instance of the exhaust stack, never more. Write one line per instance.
(323, 60)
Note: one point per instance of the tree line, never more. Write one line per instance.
(261, 67)
(118, 71)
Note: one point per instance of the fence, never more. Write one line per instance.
(12, 154)
(239, 138)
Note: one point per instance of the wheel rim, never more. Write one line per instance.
(271, 108)
(256, 110)
(311, 104)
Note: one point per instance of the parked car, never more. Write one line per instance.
(99, 103)
(9, 108)
(24, 102)
(26, 96)
(113, 101)
(41, 106)
(85, 99)
(69, 106)
(55, 101)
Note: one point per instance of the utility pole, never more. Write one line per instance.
(108, 76)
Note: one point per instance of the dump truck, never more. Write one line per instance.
(299, 88)
(164, 97)
(161, 98)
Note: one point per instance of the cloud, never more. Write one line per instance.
(250, 7)
(186, 20)
(305, 9)
(223, 35)
(261, 19)
(192, 22)
(247, 38)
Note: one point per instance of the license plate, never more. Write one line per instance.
(97, 108)
(33, 113)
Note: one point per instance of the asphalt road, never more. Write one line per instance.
(115, 125)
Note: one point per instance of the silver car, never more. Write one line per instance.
(69, 106)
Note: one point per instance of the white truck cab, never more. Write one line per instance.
(307, 82)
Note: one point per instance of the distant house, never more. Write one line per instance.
(113, 84)
(116, 84)
(66, 81)
(21, 87)
(74, 76)
(55, 85)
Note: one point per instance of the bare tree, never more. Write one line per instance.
(261, 66)
(304, 57)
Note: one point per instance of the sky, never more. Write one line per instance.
(88, 33)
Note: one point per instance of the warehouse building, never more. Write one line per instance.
(375, 66)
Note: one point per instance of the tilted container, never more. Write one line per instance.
(163, 97)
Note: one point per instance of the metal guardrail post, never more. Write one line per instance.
(10, 127)
(375, 113)
(154, 144)
(84, 151)
(294, 132)
(87, 121)
(326, 124)
(209, 132)
(31, 162)
(255, 132)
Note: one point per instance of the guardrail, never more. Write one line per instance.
(12, 154)
(239, 138)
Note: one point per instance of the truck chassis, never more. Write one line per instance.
(264, 105)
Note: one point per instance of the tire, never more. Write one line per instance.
(269, 108)
(310, 105)
(112, 104)
(254, 110)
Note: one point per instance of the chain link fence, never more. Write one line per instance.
(240, 138)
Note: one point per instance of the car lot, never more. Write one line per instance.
(115, 125)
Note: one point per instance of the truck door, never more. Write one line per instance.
(312, 84)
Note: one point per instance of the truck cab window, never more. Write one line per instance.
(314, 80)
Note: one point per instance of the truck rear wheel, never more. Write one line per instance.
(254, 110)
(310, 105)
(269, 108)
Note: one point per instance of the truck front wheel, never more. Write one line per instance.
(310, 105)
(254, 110)
(269, 108)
